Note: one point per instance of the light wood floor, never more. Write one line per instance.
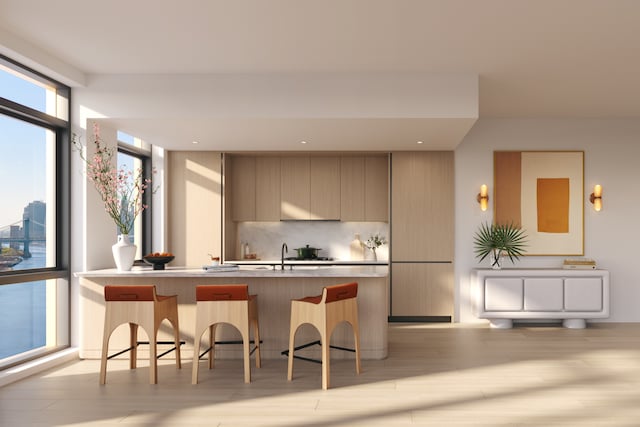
(435, 375)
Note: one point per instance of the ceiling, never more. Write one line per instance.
(533, 58)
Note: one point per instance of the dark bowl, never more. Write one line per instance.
(158, 262)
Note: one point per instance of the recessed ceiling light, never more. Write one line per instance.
(420, 142)
(194, 142)
(303, 142)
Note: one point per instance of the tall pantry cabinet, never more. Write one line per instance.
(422, 227)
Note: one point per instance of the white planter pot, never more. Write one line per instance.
(124, 253)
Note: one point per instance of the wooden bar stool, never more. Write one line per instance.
(139, 306)
(337, 304)
(230, 304)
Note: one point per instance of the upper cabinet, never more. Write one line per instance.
(310, 187)
(295, 198)
(324, 188)
(267, 188)
(352, 198)
(303, 187)
(364, 188)
(242, 185)
(376, 188)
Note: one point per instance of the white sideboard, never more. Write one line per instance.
(573, 296)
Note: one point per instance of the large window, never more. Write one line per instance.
(34, 214)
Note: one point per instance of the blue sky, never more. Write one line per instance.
(22, 151)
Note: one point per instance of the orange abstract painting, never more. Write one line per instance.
(553, 205)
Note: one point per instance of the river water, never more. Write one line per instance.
(23, 308)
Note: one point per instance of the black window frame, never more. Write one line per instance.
(62, 130)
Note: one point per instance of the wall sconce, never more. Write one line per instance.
(596, 197)
(483, 197)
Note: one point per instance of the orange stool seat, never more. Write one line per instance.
(139, 306)
(230, 304)
(338, 303)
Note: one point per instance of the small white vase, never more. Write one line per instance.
(124, 253)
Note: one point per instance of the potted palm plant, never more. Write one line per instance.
(499, 240)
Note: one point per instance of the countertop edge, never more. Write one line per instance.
(381, 271)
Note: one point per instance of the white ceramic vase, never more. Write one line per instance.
(124, 253)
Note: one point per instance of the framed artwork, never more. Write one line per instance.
(543, 193)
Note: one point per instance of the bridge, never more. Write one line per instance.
(25, 239)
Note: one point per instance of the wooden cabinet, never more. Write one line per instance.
(324, 185)
(310, 187)
(364, 188)
(242, 188)
(376, 188)
(352, 188)
(253, 187)
(267, 188)
(422, 289)
(295, 197)
(422, 234)
(422, 206)
(271, 188)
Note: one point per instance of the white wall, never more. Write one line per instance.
(611, 236)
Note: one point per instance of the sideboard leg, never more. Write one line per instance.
(574, 323)
(501, 323)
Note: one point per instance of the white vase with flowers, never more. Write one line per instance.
(122, 192)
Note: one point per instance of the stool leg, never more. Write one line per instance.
(292, 338)
(256, 339)
(356, 337)
(105, 349)
(133, 344)
(245, 350)
(153, 357)
(325, 359)
(196, 356)
(176, 340)
(212, 344)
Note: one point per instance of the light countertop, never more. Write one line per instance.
(294, 263)
(247, 271)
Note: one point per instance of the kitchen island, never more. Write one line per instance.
(275, 290)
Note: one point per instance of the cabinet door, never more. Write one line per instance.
(543, 294)
(422, 289)
(503, 294)
(376, 185)
(267, 188)
(352, 189)
(422, 206)
(294, 187)
(324, 188)
(243, 188)
(583, 294)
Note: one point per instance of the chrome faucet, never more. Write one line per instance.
(284, 249)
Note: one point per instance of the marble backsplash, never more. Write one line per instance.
(334, 237)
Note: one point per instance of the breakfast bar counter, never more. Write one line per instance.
(275, 290)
